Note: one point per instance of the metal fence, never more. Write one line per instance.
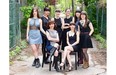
(14, 23)
(98, 16)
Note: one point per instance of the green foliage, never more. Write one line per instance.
(23, 44)
(26, 10)
(17, 49)
(102, 41)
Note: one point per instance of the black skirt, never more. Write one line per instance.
(76, 48)
(64, 42)
(85, 41)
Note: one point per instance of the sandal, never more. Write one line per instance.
(61, 64)
(70, 69)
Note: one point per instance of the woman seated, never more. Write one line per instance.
(52, 45)
(72, 41)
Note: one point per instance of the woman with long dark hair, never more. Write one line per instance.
(77, 23)
(86, 30)
(72, 41)
(67, 20)
(33, 36)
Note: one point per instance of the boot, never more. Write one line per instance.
(56, 64)
(51, 53)
(85, 64)
(34, 62)
(37, 63)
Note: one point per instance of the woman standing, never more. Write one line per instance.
(33, 36)
(72, 41)
(45, 19)
(86, 30)
(65, 27)
(52, 45)
(59, 23)
(77, 21)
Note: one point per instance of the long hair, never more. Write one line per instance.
(75, 17)
(34, 8)
(86, 19)
(74, 25)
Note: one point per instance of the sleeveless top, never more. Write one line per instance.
(53, 34)
(72, 39)
(34, 22)
(85, 29)
(58, 23)
(68, 20)
(45, 22)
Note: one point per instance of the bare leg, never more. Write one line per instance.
(34, 49)
(69, 49)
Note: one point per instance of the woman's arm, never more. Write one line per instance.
(64, 26)
(91, 29)
(62, 21)
(77, 39)
(41, 28)
(67, 38)
(28, 27)
(73, 21)
(52, 39)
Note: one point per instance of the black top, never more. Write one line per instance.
(68, 20)
(85, 29)
(45, 22)
(72, 39)
(77, 23)
(58, 23)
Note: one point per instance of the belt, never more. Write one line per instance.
(34, 27)
(84, 32)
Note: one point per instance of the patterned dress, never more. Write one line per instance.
(34, 34)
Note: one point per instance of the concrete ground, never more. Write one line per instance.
(22, 66)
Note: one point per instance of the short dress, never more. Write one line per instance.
(85, 39)
(64, 43)
(59, 28)
(72, 39)
(34, 34)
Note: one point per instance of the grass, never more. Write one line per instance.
(101, 40)
(14, 52)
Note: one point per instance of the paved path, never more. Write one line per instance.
(22, 66)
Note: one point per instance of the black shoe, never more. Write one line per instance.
(34, 62)
(37, 63)
(56, 64)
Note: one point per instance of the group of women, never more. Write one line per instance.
(67, 34)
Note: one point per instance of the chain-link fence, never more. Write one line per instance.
(14, 23)
(98, 17)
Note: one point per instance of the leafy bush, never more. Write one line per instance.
(102, 41)
(26, 10)
(17, 49)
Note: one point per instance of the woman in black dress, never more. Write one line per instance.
(45, 19)
(65, 27)
(72, 41)
(86, 30)
(77, 23)
(59, 23)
